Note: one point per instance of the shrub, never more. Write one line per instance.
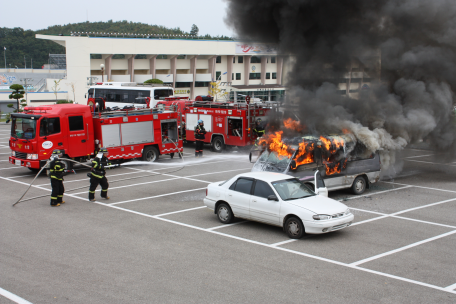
(154, 81)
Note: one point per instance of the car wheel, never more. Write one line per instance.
(217, 144)
(150, 154)
(294, 228)
(224, 213)
(359, 185)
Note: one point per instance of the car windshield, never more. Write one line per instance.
(291, 189)
(23, 128)
(271, 161)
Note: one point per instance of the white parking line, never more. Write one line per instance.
(6, 153)
(402, 248)
(380, 192)
(13, 297)
(185, 210)
(155, 196)
(422, 187)
(18, 167)
(226, 225)
(283, 243)
(420, 161)
(420, 156)
(451, 287)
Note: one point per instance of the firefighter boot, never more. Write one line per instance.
(54, 202)
(197, 154)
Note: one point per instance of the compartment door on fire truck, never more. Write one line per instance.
(207, 122)
(78, 136)
(235, 126)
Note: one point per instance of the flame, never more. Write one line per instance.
(293, 125)
(305, 154)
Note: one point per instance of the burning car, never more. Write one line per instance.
(343, 161)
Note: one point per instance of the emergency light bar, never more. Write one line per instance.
(37, 108)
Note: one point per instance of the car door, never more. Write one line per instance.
(320, 187)
(262, 209)
(238, 197)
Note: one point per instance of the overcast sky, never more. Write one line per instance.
(208, 15)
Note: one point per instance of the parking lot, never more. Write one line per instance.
(154, 241)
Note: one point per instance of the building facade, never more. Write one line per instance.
(185, 64)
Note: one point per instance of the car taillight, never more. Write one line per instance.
(206, 191)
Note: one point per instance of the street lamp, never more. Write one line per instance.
(102, 72)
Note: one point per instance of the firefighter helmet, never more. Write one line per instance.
(103, 150)
(258, 121)
(200, 121)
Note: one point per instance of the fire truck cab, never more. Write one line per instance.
(77, 131)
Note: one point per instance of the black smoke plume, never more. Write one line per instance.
(408, 48)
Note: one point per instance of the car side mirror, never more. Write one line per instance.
(293, 165)
(272, 197)
(250, 157)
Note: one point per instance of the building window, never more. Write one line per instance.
(274, 75)
(255, 59)
(232, 76)
(182, 57)
(240, 59)
(217, 75)
(218, 59)
(238, 76)
(255, 76)
(268, 75)
(183, 84)
(201, 84)
(273, 60)
(162, 57)
(234, 59)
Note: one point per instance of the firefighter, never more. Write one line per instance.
(98, 175)
(200, 133)
(57, 168)
(258, 130)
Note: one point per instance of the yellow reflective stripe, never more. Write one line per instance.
(97, 175)
(91, 191)
(59, 195)
(55, 177)
(53, 197)
(104, 190)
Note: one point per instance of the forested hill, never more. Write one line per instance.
(20, 42)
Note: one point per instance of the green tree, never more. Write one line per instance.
(18, 93)
(154, 80)
(216, 91)
(194, 31)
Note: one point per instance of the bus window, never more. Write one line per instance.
(162, 93)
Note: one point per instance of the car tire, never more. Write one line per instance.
(294, 228)
(224, 213)
(359, 185)
(217, 144)
(150, 154)
(68, 164)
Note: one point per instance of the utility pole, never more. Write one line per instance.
(4, 54)
(25, 80)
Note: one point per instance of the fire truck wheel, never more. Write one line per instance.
(34, 171)
(217, 144)
(359, 185)
(150, 154)
(68, 164)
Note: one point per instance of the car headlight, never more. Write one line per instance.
(32, 156)
(347, 212)
(321, 217)
(13, 153)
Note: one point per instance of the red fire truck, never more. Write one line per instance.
(226, 123)
(144, 133)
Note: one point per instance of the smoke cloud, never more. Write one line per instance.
(406, 47)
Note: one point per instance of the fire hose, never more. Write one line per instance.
(114, 181)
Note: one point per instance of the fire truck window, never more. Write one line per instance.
(49, 126)
(243, 185)
(23, 128)
(262, 189)
(90, 93)
(235, 127)
(76, 123)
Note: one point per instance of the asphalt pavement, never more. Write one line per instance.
(155, 242)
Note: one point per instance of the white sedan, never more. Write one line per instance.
(278, 200)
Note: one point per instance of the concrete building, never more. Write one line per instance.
(187, 65)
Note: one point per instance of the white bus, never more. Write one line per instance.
(120, 95)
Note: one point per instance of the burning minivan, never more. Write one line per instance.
(342, 161)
